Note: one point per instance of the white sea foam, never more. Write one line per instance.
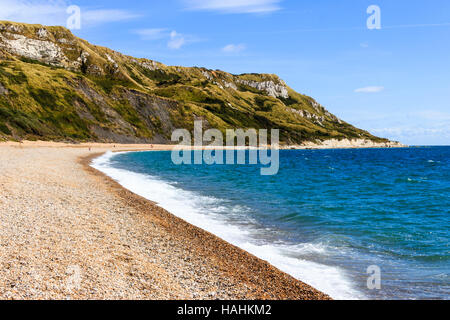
(210, 214)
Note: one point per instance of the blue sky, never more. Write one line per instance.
(394, 82)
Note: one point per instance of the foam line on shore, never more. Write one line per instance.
(196, 209)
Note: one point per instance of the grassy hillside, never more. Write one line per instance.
(55, 86)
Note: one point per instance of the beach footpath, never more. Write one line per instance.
(69, 232)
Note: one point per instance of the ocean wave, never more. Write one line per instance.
(210, 214)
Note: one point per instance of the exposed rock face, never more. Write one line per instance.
(225, 84)
(45, 51)
(155, 111)
(111, 136)
(57, 47)
(333, 117)
(113, 66)
(308, 115)
(42, 33)
(268, 87)
(207, 75)
(317, 118)
(229, 85)
(12, 28)
(271, 88)
(100, 94)
(95, 70)
(111, 60)
(352, 143)
(65, 41)
(82, 61)
(149, 65)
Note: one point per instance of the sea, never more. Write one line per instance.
(354, 223)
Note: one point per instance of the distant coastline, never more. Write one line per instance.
(327, 144)
(347, 144)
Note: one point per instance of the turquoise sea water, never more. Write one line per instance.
(325, 218)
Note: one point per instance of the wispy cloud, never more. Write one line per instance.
(414, 128)
(34, 11)
(234, 48)
(176, 41)
(153, 33)
(101, 16)
(364, 44)
(234, 6)
(371, 89)
(416, 135)
(53, 12)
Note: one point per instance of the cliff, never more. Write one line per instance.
(55, 86)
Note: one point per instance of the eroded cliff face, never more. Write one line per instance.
(54, 85)
(38, 44)
(271, 88)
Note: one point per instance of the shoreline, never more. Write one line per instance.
(329, 144)
(210, 213)
(86, 219)
(257, 269)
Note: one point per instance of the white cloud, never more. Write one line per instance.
(372, 89)
(364, 44)
(417, 135)
(34, 11)
(152, 34)
(53, 12)
(427, 127)
(234, 6)
(176, 40)
(91, 17)
(234, 48)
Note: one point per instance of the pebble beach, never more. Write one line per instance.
(69, 232)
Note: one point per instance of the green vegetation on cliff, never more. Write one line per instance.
(55, 86)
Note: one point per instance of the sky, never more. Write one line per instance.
(393, 81)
